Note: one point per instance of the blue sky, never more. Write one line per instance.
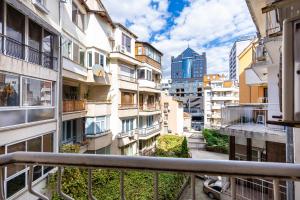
(171, 25)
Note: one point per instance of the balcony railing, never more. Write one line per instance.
(149, 130)
(129, 133)
(250, 117)
(150, 107)
(128, 106)
(127, 78)
(73, 105)
(16, 49)
(192, 167)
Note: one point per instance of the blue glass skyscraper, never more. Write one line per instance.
(188, 66)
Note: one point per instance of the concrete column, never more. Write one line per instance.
(232, 148)
(249, 149)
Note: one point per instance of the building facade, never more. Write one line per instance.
(187, 72)
(218, 93)
(69, 75)
(235, 51)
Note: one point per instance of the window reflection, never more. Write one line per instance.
(36, 92)
(9, 90)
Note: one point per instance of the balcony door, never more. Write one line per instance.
(34, 42)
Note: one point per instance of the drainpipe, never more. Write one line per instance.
(60, 81)
(138, 116)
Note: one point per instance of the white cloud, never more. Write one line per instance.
(144, 16)
(200, 24)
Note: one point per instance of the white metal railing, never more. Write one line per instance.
(149, 130)
(274, 172)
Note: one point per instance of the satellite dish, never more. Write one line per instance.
(98, 70)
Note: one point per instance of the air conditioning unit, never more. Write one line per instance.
(260, 53)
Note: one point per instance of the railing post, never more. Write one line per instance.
(233, 188)
(1, 184)
(155, 186)
(193, 185)
(122, 185)
(60, 192)
(90, 192)
(276, 191)
(29, 183)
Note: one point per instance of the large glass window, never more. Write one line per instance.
(127, 71)
(34, 41)
(141, 74)
(9, 90)
(77, 16)
(36, 92)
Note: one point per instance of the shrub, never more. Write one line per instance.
(216, 141)
(172, 146)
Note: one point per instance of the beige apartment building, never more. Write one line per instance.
(173, 115)
(218, 93)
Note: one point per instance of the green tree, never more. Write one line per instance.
(184, 148)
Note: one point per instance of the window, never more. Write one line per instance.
(15, 28)
(128, 150)
(90, 58)
(126, 42)
(69, 131)
(149, 121)
(97, 125)
(149, 75)
(141, 74)
(77, 16)
(128, 125)
(36, 92)
(15, 179)
(67, 48)
(35, 36)
(104, 150)
(127, 98)
(140, 50)
(127, 71)
(9, 90)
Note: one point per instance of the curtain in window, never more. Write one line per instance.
(89, 126)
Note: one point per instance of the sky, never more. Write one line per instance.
(209, 26)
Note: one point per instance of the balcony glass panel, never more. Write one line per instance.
(12, 117)
(14, 185)
(40, 114)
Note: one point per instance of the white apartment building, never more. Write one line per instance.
(29, 87)
(235, 51)
(218, 93)
(69, 75)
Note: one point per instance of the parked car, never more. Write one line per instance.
(213, 188)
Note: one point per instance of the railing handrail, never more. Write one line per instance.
(208, 167)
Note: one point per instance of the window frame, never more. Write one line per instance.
(77, 15)
(26, 168)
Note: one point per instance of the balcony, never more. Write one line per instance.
(148, 132)
(224, 98)
(127, 137)
(250, 121)
(149, 86)
(18, 50)
(99, 140)
(236, 170)
(150, 109)
(73, 109)
(128, 110)
(127, 82)
(98, 108)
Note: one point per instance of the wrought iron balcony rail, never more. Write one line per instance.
(17, 49)
(233, 169)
